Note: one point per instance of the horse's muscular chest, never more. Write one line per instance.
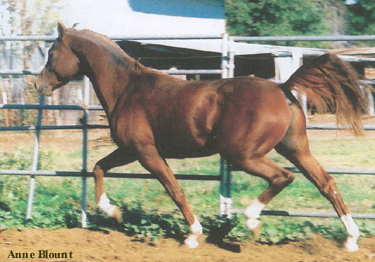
(188, 122)
(180, 122)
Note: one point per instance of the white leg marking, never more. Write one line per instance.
(252, 213)
(352, 231)
(106, 206)
(195, 231)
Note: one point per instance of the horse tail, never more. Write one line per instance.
(329, 83)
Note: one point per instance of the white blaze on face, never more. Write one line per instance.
(353, 233)
(195, 231)
(106, 206)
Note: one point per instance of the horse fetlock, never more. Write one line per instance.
(252, 213)
(352, 231)
(195, 231)
(254, 209)
(111, 210)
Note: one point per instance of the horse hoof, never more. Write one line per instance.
(191, 243)
(255, 227)
(196, 231)
(118, 215)
(351, 245)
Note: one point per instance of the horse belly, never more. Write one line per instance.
(184, 150)
(186, 142)
(190, 132)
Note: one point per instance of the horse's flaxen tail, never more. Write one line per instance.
(330, 83)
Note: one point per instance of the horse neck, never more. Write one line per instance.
(104, 65)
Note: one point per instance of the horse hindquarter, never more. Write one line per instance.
(255, 118)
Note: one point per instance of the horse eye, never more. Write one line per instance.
(49, 61)
(50, 56)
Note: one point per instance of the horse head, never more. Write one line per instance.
(61, 67)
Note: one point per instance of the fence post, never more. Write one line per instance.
(222, 187)
(34, 166)
(86, 101)
(231, 57)
(84, 171)
(227, 66)
(224, 56)
(225, 188)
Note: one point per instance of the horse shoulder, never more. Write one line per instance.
(130, 125)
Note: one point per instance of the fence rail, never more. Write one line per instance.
(200, 37)
(306, 214)
(113, 37)
(169, 71)
(109, 174)
(304, 38)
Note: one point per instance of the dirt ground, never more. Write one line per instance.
(100, 245)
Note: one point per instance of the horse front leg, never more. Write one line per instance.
(150, 159)
(277, 177)
(117, 158)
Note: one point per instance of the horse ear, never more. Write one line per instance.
(60, 29)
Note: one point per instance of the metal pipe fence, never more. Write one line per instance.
(227, 70)
(84, 126)
(329, 38)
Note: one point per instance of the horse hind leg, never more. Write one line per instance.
(277, 177)
(299, 154)
(116, 158)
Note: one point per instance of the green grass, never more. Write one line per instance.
(149, 211)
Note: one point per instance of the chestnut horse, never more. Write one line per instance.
(154, 116)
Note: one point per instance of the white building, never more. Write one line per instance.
(147, 17)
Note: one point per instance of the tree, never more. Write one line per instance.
(361, 17)
(285, 17)
(33, 17)
(26, 17)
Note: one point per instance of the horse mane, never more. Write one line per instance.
(103, 40)
(131, 63)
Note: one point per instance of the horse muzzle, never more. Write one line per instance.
(43, 89)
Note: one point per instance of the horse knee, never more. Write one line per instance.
(289, 177)
(283, 178)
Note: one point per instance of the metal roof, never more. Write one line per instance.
(240, 48)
